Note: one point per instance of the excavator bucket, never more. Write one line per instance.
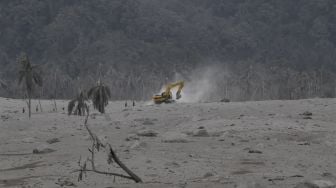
(178, 95)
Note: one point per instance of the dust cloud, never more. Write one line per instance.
(202, 84)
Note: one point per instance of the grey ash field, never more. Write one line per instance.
(237, 144)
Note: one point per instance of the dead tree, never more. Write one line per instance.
(96, 146)
(31, 76)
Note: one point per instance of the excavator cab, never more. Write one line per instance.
(166, 96)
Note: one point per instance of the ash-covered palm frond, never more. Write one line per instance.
(99, 95)
(78, 106)
(71, 106)
(37, 78)
(30, 73)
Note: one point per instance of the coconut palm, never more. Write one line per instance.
(31, 75)
(78, 105)
(99, 95)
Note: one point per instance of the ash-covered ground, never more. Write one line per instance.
(236, 144)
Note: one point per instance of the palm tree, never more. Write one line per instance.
(31, 75)
(99, 95)
(78, 105)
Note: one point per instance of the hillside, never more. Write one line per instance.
(261, 49)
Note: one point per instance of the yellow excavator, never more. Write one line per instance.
(166, 96)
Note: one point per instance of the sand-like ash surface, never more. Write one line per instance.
(237, 144)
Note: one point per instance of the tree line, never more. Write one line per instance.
(272, 49)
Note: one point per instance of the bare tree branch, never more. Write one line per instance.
(124, 167)
(96, 144)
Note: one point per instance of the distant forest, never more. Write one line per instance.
(262, 49)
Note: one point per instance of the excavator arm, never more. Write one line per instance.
(166, 96)
(179, 84)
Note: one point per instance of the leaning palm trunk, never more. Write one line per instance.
(55, 105)
(29, 85)
(39, 101)
(28, 101)
(29, 105)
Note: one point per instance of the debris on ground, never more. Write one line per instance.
(147, 133)
(201, 133)
(316, 184)
(174, 137)
(53, 140)
(255, 151)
